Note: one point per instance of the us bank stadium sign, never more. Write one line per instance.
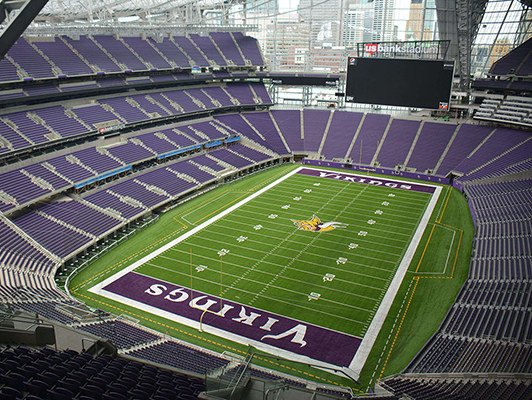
(426, 49)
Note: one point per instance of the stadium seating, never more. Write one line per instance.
(454, 354)
(395, 146)
(51, 310)
(80, 216)
(342, 128)
(257, 126)
(506, 109)
(499, 142)
(394, 141)
(371, 133)
(487, 330)
(506, 92)
(179, 356)
(432, 142)
(120, 333)
(427, 389)
(65, 241)
(517, 62)
(62, 56)
(183, 357)
(21, 130)
(47, 373)
(464, 142)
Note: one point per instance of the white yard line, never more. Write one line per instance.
(294, 269)
(185, 216)
(370, 336)
(273, 275)
(441, 205)
(448, 253)
(341, 269)
(291, 302)
(97, 288)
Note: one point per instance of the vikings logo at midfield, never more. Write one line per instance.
(315, 225)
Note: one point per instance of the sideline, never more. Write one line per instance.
(168, 246)
(382, 312)
(360, 357)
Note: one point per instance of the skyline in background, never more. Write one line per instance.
(401, 10)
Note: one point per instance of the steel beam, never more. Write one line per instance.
(18, 24)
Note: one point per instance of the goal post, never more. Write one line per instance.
(200, 329)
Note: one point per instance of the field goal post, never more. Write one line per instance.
(200, 328)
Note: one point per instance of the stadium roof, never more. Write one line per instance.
(116, 10)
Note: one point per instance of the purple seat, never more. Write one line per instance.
(59, 370)
(91, 391)
(127, 382)
(11, 393)
(147, 387)
(80, 376)
(14, 380)
(97, 381)
(25, 359)
(117, 387)
(89, 371)
(49, 377)
(12, 365)
(37, 387)
(187, 396)
(70, 384)
(139, 394)
(112, 395)
(29, 371)
(60, 394)
(113, 370)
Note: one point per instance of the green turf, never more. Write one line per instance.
(284, 264)
(272, 265)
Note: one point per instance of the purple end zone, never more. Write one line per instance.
(367, 180)
(284, 333)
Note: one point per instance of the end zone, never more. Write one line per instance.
(272, 333)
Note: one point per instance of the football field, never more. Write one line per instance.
(305, 268)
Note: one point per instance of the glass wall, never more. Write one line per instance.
(318, 35)
(505, 25)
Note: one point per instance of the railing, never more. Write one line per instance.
(95, 257)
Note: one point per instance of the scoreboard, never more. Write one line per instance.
(399, 82)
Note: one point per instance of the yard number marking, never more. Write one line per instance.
(223, 252)
(313, 296)
(328, 277)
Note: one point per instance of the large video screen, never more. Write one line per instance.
(399, 82)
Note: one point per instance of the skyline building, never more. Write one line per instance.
(324, 19)
(383, 21)
(358, 24)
